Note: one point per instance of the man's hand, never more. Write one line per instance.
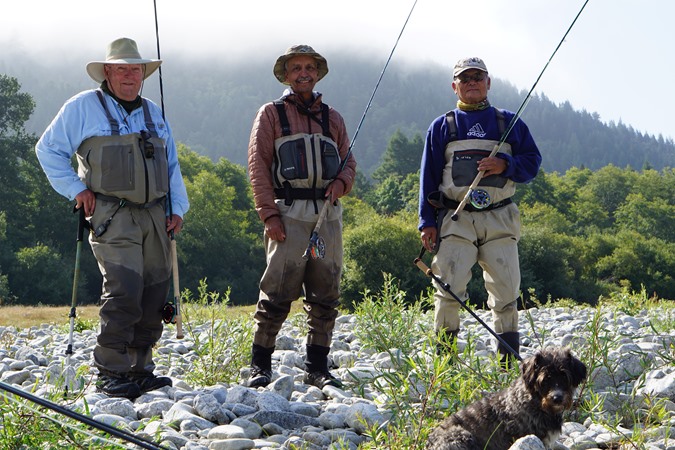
(335, 190)
(87, 200)
(492, 166)
(174, 223)
(274, 229)
(428, 236)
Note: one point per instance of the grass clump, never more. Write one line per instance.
(220, 340)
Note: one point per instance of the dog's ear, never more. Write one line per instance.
(577, 370)
(530, 370)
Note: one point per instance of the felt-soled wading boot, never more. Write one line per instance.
(261, 366)
(507, 357)
(117, 386)
(316, 366)
(447, 342)
(149, 382)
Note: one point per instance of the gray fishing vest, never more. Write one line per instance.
(461, 167)
(131, 166)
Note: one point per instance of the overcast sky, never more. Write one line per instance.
(601, 67)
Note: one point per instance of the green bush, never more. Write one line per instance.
(381, 245)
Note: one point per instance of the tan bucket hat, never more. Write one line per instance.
(121, 51)
(299, 50)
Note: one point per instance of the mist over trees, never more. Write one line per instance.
(211, 105)
(597, 220)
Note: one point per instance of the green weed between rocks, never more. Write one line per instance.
(415, 383)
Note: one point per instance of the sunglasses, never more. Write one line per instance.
(467, 78)
(148, 148)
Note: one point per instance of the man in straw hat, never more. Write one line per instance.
(127, 172)
(297, 146)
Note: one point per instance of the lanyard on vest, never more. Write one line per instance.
(115, 125)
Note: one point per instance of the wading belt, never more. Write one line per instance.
(438, 200)
(110, 198)
(289, 193)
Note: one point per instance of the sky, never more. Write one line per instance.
(599, 67)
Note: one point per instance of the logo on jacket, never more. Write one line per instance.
(476, 131)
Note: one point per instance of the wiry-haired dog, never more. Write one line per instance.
(532, 404)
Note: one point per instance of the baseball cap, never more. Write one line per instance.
(468, 63)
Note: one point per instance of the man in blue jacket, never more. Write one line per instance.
(457, 147)
(127, 174)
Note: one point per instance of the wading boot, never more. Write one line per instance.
(261, 366)
(316, 366)
(508, 358)
(117, 386)
(149, 382)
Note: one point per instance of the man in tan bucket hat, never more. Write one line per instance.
(128, 180)
(297, 146)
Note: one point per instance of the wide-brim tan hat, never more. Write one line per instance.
(121, 51)
(299, 50)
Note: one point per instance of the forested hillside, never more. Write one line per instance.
(211, 106)
(597, 220)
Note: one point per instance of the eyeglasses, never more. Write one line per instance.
(148, 147)
(467, 78)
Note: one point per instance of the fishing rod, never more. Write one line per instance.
(446, 287)
(479, 175)
(172, 310)
(109, 429)
(315, 247)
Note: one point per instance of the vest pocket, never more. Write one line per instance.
(161, 169)
(293, 160)
(465, 169)
(330, 160)
(117, 167)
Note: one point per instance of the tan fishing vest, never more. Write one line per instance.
(461, 168)
(304, 164)
(307, 161)
(131, 166)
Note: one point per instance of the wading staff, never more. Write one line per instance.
(81, 221)
(314, 246)
(172, 313)
(446, 287)
(111, 430)
(479, 175)
(69, 374)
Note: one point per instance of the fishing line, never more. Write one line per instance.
(316, 246)
(517, 115)
(384, 69)
(161, 86)
(529, 94)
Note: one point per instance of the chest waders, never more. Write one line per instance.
(129, 175)
(475, 239)
(303, 165)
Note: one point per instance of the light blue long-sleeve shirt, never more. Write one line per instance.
(82, 117)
